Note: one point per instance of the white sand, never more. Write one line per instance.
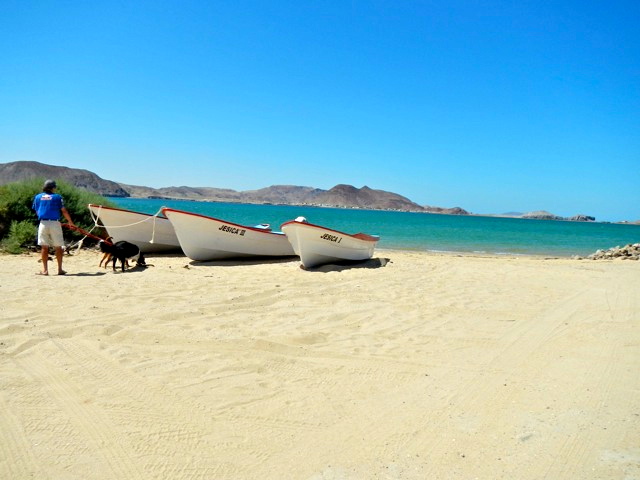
(433, 366)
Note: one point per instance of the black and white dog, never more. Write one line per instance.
(123, 251)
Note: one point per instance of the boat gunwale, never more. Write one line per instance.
(104, 207)
(358, 236)
(206, 217)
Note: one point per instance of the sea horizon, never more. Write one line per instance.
(516, 215)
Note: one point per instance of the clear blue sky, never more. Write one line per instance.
(491, 106)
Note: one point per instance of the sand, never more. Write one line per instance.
(428, 367)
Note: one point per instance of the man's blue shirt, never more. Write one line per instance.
(48, 205)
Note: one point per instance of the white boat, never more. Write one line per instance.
(318, 245)
(151, 233)
(205, 238)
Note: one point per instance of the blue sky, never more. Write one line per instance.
(491, 106)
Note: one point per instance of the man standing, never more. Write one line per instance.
(48, 206)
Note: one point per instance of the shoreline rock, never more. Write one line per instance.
(628, 252)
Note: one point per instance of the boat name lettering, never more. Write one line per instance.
(234, 230)
(331, 238)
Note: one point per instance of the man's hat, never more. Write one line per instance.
(49, 184)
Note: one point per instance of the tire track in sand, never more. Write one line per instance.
(16, 456)
(110, 450)
(611, 368)
(133, 421)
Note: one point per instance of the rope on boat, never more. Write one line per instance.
(153, 217)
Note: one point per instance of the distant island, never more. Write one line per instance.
(340, 196)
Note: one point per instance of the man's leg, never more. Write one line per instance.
(59, 255)
(45, 260)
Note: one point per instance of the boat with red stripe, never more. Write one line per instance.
(205, 238)
(317, 245)
(151, 233)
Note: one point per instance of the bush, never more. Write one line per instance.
(21, 235)
(15, 203)
(16, 200)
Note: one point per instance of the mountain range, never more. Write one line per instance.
(18, 171)
(342, 196)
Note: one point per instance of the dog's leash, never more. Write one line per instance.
(85, 233)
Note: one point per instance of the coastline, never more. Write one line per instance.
(433, 365)
(340, 196)
(454, 211)
(414, 231)
(425, 210)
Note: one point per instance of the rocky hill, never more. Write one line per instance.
(541, 215)
(581, 218)
(344, 196)
(18, 171)
(205, 194)
(446, 211)
(349, 196)
(544, 215)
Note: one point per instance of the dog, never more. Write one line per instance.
(106, 257)
(123, 251)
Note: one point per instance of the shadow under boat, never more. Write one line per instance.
(349, 265)
(337, 266)
(235, 262)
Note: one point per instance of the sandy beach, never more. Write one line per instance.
(424, 367)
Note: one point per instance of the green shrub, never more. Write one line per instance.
(21, 235)
(15, 203)
(16, 200)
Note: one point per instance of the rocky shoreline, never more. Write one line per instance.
(628, 252)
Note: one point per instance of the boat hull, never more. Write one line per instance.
(205, 238)
(151, 233)
(316, 245)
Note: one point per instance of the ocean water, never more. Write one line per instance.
(422, 231)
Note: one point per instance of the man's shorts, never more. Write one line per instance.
(50, 233)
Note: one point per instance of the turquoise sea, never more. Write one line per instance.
(422, 231)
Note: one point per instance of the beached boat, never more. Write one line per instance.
(205, 238)
(318, 245)
(151, 233)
